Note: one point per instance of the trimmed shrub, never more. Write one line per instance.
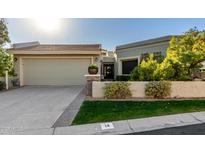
(117, 90)
(123, 78)
(2, 85)
(158, 89)
(146, 71)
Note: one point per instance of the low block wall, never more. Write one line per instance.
(179, 89)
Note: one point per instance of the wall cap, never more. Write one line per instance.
(92, 75)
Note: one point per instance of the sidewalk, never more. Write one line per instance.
(121, 127)
(135, 125)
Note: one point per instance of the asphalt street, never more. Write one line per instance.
(198, 129)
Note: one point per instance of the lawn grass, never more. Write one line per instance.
(102, 111)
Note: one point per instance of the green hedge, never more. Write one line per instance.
(123, 77)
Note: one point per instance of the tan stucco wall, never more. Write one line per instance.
(136, 88)
(186, 89)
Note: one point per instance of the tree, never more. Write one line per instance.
(6, 60)
(185, 54)
(4, 37)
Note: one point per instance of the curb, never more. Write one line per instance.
(134, 125)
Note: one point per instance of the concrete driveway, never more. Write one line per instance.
(33, 108)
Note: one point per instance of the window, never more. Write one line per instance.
(129, 65)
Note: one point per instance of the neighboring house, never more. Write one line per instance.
(41, 64)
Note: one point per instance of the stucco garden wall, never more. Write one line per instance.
(180, 89)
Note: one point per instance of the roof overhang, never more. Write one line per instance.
(66, 52)
(145, 42)
(108, 59)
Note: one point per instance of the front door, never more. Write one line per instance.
(108, 71)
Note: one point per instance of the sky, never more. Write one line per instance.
(108, 32)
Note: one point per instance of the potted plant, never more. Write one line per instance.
(93, 69)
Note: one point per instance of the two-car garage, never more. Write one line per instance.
(37, 64)
(55, 71)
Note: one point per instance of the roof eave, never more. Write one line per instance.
(145, 42)
(23, 52)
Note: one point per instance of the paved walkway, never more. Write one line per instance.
(125, 126)
(71, 111)
(34, 107)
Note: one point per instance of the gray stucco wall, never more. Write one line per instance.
(130, 53)
(137, 51)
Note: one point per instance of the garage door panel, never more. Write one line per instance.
(55, 71)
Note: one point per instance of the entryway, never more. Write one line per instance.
(108, 71)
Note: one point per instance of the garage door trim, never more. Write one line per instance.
(47, 57)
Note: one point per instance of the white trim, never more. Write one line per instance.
(21, 71)
(119, 62)
(46, 57)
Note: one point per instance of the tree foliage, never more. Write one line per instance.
(6, 60)
(146, 70)
(184, 55)
(4, 37)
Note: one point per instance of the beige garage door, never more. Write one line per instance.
(55, 71)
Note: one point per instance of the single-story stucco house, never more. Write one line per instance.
(51, 64)
(41, 64)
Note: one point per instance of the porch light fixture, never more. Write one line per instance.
(15, 59)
